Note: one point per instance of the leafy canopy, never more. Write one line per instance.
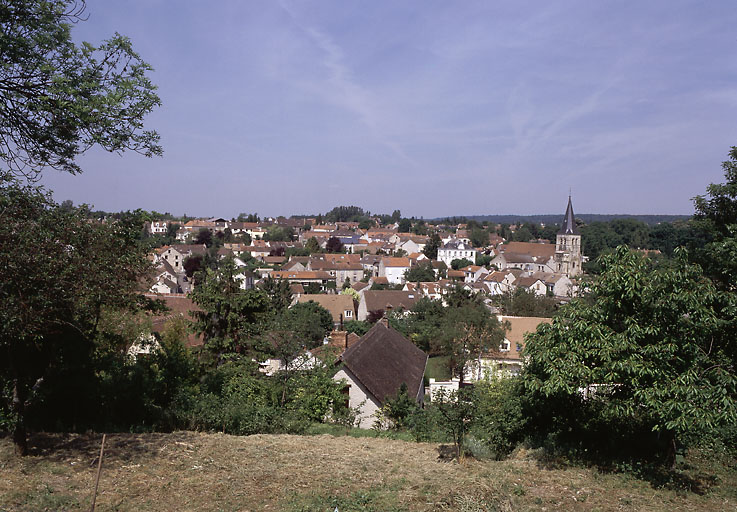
(58, 99)
(650, 343)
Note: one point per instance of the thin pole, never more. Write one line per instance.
(99, 470)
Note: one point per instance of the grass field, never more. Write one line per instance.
(195, 471)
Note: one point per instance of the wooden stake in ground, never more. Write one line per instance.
(99, 469)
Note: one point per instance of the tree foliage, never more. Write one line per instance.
(230, 317)
(460, 263)
(57, 273)
(405, 225)
(58, 99)
(432, 246)
(522, 302)
(650, 346)
(716, 213)
(334, 245)
(346, 214)
(422, 272)
(310, 321)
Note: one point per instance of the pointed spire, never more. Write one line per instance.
(569, 222)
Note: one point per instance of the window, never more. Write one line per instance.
(504, 347)
(348, 313)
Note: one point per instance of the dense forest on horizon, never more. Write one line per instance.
(587, 218)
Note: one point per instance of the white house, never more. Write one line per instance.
(508, 360)
(456, 250)
(394, 269)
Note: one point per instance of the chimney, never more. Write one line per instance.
(338, 338)
(385, 319)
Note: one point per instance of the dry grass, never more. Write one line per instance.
(194, 471)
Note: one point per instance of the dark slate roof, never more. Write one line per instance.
(383, 359)
(569, 222)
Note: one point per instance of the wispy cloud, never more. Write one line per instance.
(344, 90)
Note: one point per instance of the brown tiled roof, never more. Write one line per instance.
(306, 274)
(497, 276)
(190, 248)
(197, 223)
(513, 257)
(335, 265)
(336, 304)
(180, 305)
(521, 325)
(383, 299)
(359, 286)
(396, 262)
(471, 268)
(296, 288)
(338, 342)
(537, 251)
(291, 264)
(348, 258)
(383, 360)
(526, 281)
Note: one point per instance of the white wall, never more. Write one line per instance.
(359, 395)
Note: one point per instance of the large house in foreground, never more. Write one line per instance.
(376, 366)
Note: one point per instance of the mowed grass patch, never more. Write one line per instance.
(437, 368)
(198, 471)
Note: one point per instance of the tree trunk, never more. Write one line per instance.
(670, 450)
(20, 437)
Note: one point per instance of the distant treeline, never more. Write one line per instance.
(587, 218)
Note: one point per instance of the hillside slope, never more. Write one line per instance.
(195, 471)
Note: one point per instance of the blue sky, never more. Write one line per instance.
(432, 107)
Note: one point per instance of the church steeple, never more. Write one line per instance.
(569, 226)
(568, 255)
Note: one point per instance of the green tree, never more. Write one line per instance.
(359, 327)
(522, 234)
(334, 245)
(649, 347)
(716, 213)
(465, 334)
(479, 237)
(279, 233)
(345, 214)
(405, 225)
(58, 99)
(432, 246)
(420, 228)
(230, 318)
(192, 264)
(310, 321)
(422, 272)
(522, 302)
(278, 292)
(58, 272)
(399, 408)
(312, 245)
(460, 263)
(456, 410)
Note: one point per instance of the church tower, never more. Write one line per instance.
(568, 256)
